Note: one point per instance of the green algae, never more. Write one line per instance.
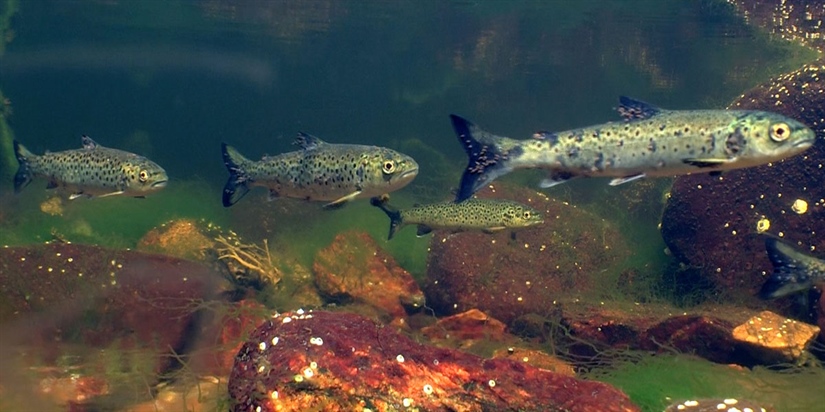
(655, 381)
(116, 222)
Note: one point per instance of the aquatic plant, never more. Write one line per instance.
(247, 262)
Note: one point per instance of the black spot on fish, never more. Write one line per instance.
(599, 163)
(651, 146)
(573, 152)
(734, 143)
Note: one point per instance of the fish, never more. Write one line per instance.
(487, 215)
(320, 171)
(718, 405)
(649, 142)
(91, 171)
(793, 271)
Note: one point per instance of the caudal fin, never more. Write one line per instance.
(24, 174)
(790, 270)
(236, 186)
(392, 213)
(486, 160)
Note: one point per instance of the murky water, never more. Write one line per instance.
(172, 80)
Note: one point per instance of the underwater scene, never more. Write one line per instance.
(289, 205)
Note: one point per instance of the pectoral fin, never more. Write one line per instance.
(494, 229)
(423, 230)
(621, 180)
(556, 178)
(119, 192)
(706, 162)
(342, 201)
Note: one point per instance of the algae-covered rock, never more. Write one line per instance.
(507, 275)
(339, 361)
(775, 338)
(353, 267)
(183, 238)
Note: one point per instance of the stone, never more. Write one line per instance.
(508, 275)
(183, 238)
(326, 361)
(793, 20)
(775, 338)
(355, 268)
(99, 310)
(710, 223)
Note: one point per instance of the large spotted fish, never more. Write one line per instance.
(91, 171)
(333, 173)
(487, 215)
(649, 142)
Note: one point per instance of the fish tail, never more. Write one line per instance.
(395, 216)
(24, 173)
(790, 272)
(236, 186)
(486, 160)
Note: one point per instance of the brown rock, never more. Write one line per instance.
(536, 358)
(470, 325)
(775, 338)
(326, 361)
(710, 222)
(509, 275)
(353, 267)
(182, 238)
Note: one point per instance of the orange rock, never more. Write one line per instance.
(353, 267)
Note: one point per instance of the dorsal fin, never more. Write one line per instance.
(87, 142)
(632, 109)
(308, 141)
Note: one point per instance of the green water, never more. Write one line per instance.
(173, 79)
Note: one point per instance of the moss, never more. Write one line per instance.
(654, 381)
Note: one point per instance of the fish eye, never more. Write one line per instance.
(388, 167)
(143, 176)
(526, 214)
(780, 132)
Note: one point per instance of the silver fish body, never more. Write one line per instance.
(334, 173)
(793, 271)
(91, 171)
(487, 215)
(650, 142)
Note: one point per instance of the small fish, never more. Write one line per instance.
(487, 215)
(717, 405)
(793, 271)
(91, 171)
(650, 142)
(335, 173)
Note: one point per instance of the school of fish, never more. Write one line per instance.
(650, 141)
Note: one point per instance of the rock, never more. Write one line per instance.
(465, 328)
(327, 361)
(707, 332)
(353, 267)
(774, 338)
(710, 222)
(224, 330)
(183, 238)
(795, 20)
(509, 275)
(536, 358)
(100, 309)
